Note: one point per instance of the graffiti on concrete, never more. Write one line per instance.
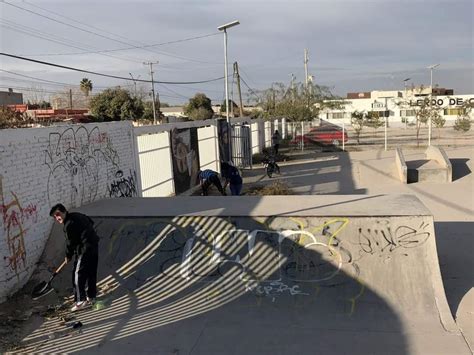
(381, 239)
(123, 186)
(274, 289)
(78, 160)
(273, 258)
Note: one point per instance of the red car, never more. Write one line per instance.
(325, 134)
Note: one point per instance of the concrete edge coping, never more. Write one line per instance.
(396, 205)
(439, 155)
(401, 165)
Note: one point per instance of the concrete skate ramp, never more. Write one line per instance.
(263, 275)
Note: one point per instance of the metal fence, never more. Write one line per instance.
(394, 135)
(241, 146)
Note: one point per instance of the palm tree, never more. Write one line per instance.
(86, 86)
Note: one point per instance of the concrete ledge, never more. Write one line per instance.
(401, 165)
(439, 155)
(262, 206)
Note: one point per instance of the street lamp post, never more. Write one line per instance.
(386, 114)
(405, 81)
(431, 67)
(224, 29)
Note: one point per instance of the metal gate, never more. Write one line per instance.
(241, 146)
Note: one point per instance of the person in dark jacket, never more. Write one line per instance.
(82, 242)
(276, 142)
(208, 177)
(232, 178)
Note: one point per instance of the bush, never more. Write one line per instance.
(462, 124)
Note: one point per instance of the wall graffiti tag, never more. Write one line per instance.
(77, 160)
(14, 217)
(123, 186)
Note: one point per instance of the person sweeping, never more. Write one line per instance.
(82, 242)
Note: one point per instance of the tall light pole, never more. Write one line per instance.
(405, 82)
(224, 29)
(386, 112)
(152, 88)
(134, 82)
(431, 67)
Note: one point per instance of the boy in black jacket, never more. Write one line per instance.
(82, 242)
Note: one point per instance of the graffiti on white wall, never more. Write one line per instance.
(16, 218)
(78, 159)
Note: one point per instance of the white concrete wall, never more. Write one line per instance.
(208, 148)
(39, 167)
(156, 166)
(268, 133)
(254, 128)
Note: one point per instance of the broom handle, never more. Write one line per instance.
(60, 267)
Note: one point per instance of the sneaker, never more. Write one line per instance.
(79, 305)
(90, 300)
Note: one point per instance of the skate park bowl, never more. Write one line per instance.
(333, 274)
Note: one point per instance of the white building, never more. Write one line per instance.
(397, 105)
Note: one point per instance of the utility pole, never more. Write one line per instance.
(306, 68)
(134, 82)
(152, 88)
(236, 71)
(70, 99)
(293, 87)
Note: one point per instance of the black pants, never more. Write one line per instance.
(85, 272)
(213, 179)
(275, 149)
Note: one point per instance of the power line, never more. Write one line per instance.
(245, 72)
(56, 39)
(108, 75)
(37, 90)
(250, 89)
(116, 35)
(64, 23)
(97, 34)
(128, 48)
(174, 92)
(74, 20)
(47, 81)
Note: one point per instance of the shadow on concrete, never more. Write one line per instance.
(460, 168)
(172, 287)
(415, 164)
(329, 173)
(455, 246)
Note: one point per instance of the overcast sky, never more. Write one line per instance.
(354, 45)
